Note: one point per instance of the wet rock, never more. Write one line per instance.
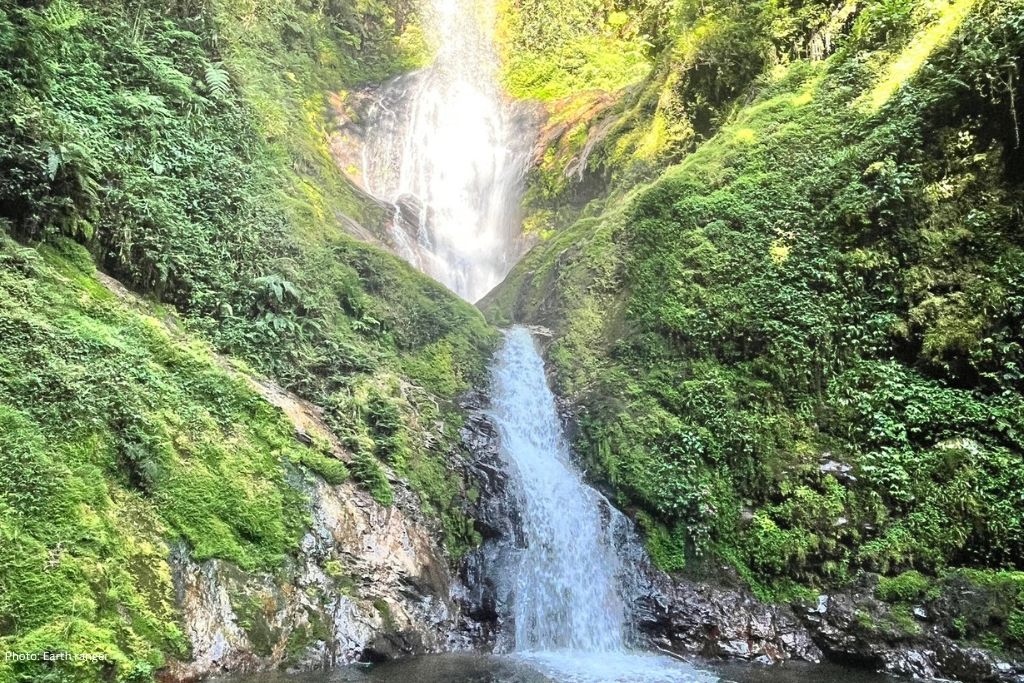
(913, 663)
(367, 582)
(839, 470)
(496, 516)
(718, 621)
(852, 626)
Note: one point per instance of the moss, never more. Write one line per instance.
(372, 475)
(384, 610)
(553, 50)
(704, 304)
(306, 635)
(332, 470)
(865, 620)
(908, 586)
(150, 439)
(255, 614)
(129, 475)
(667, 547)
(985, 604)
(1015, 626)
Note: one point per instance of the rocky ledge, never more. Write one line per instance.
(718, 622)
(854, 627)
(369, 582)
(850, 626)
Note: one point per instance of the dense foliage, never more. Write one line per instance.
(782, 253)
(800, 347)
(116, 437)
(184, 146)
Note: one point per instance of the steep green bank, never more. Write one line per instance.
(799, 346)
(183, 148)
(116, 437)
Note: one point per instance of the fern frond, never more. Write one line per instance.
(217, 80)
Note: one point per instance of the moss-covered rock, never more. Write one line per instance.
(185, 150)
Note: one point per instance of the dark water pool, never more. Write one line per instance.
(549, 668)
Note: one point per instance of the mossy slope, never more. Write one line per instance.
(116, 439)
(831, 279)
(184, 149)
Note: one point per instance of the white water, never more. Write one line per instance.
(450, 152)
(566, 592)
(569, 583)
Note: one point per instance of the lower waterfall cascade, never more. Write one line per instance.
(572, 583)
(566, 582)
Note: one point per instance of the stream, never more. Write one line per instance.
(473, 668)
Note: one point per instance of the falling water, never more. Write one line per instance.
(565, 588)
(573, 581)
(450, 153)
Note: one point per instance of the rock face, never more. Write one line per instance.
(498, 521)
(369, 583)
(853, 626)
(719, 622)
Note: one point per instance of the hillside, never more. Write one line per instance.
(184, 151)
(783, 266)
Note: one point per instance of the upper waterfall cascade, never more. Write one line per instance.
(450, 153)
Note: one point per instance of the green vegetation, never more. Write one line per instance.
(701, 61)
(116, 438)
(801, 341)
(780, 246)
(553, 49)
(984, 607)
(183, 148)
(910, 585)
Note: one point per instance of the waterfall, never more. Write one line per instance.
(566, 591)
(450, 153)
(573, 581)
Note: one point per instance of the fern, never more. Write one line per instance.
(63, 16)
(218, 83)
(166, 77)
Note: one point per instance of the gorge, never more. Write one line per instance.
(527, 340)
